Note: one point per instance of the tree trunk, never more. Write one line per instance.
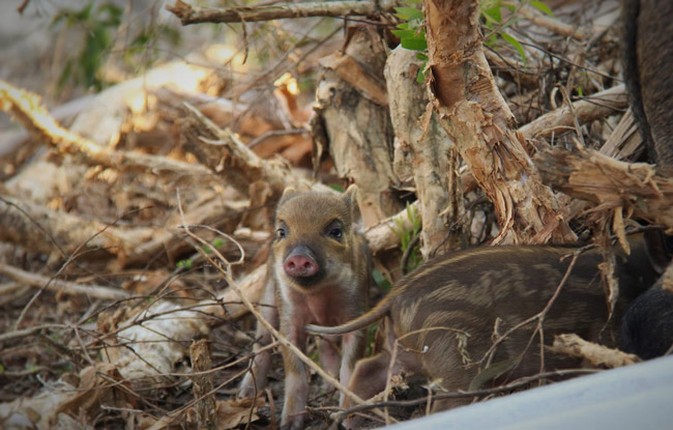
(425, 153)
(477, 119)
(352, 103)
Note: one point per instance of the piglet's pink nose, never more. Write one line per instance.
(300, 265)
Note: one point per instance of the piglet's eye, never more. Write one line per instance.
(281, 232)
(335, 231)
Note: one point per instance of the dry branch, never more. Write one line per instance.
(189, 14)
(204, 398)
(27, 109)
(551, 23)
(60, 286)
(46, 231)
(610, 184)
(597, 355)
(224, 153)
(595, 106)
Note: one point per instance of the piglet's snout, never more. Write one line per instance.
(301, 263)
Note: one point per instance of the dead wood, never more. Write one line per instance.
(350, 106)
(60, 286)
(425, 153)
(46, 231)
(563, 119)
(39, 229)
(625, 140)
(55, 406)
(12, 140)
(223, 152)
(189, 14)
(28, 110)
(611, 185)
(476, 117)
(199, 352)
(597, 355)
(552, 24)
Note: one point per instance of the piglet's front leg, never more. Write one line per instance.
(352, 348)
(296, 382)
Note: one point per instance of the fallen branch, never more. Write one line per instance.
(551, 23)
(46, 231)
(60, 286)
(610, 184)
(189, 14)
(27, 109)
(224, 153)
(597, 355)
(595, 106)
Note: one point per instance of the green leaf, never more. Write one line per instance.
(381, 280)
(415, 43)
(516, 44)
(408, 13)
(492, 15)
(420, 76)
(403, 33)
(185, 264)
(541, 7)
(491, 40)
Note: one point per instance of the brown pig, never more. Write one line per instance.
(443, 318)
(318, 272)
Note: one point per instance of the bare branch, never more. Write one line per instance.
(595, 106)
(189, 14)
(598, 355)
(27, 109)
(60, 286)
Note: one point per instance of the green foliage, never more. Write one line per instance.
(185, 264)
(98, 24)
(215, 244)
(411, 30)
(412, 33)
(381, 281)
(371, 339)
(495, 23)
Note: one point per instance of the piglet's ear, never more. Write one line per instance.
(288, 193)
(351, 199)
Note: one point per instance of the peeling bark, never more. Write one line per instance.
(476, 117)
(424, 152)
(350, 102)
(610, 184)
